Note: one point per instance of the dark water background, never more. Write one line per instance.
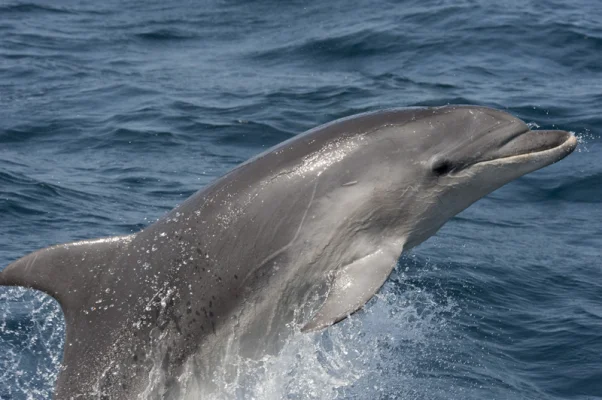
(112, 113)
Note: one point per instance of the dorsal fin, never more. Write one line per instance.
(57, 270)
(77, 275)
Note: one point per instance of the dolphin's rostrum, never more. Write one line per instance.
(293, 240)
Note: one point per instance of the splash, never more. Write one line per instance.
(32, 328)
(387, 351)
(584, 139)
(392, 349)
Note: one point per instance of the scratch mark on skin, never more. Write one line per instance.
(32, 262)
(289, 244)
(440, 210)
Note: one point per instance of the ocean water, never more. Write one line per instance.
(112, 113)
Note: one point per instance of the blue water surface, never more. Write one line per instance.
(112, 113)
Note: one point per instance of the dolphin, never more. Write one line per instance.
(292, 241)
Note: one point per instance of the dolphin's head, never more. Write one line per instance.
(448, 158)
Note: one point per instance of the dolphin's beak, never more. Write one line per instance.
(531, 142)
(537, 148)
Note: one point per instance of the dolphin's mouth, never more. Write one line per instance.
(534, 145)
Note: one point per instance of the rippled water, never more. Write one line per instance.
(111, 113)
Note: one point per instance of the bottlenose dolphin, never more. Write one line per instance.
(293, 240)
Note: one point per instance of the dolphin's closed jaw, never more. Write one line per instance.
(541, 145)
(534, 142)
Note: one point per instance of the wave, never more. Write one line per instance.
(583, 189)
(32, 8)
(334, 48)
(166, 34)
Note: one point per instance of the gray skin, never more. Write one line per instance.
(294, 240)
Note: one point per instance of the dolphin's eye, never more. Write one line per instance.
(442, 167)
